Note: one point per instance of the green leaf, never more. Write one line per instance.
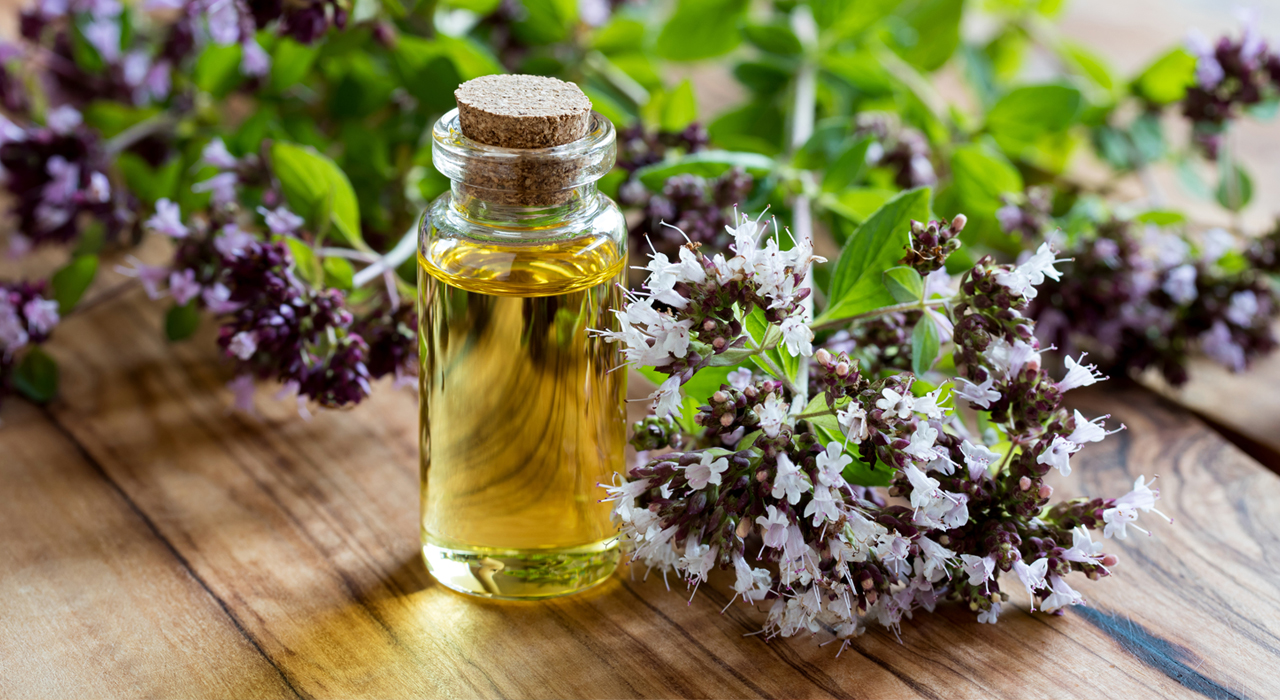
(1235, 188)
(290, 62)
(931, 34)
(758, 327)
(36, 376)
(313, 185)
(774, 37)
(150, 184)
(843, 18)
(981, 175)
(904, 284)
(217, 71)
(680, 108)
(701, 29)
(545, 21)
(756, 126)
(857, 284)
(1090, 64)
(305, 262)
(1166, 81)
(620, 35)
(338, 273)
(706, 382)
(428, 75)
(181, 322)
(924, 346)
(705, 164)
(1147, 136)
(762, 78)
(70, 283)
(848, 167)
(1161, 217)
(111, 118)
(1019, 118)
(858, 203)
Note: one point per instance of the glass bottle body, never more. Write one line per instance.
(522, 413)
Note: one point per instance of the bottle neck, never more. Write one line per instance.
(494, 208)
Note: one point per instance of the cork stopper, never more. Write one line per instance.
(522, 111)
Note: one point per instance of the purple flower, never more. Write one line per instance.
(215, 153)
(1222, 348)
(168, 220)
(242, 389)
(42, 315)
(1180, 284)
(222, 186)
(217, 298)
(104, 35)
(12, 333)
(150, 275)
(224, 21)
(233, 242)
(64, 120)
(183, 285)
(254, 61)
(281, 221)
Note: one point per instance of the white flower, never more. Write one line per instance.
(790, 482)
(1058, 454)
(924, 489)
(773, 526)
(1062, 595)
(897, 404)
(1083, 548)
(1078, 375)
(990, 616)
(1032, 576)
(1217, 242)
(253, 60)
(215, 153)
(690, 267)
(980, 395)
(822, 506)
(922, 440)
(134, 66)
(831, 464)
(167, 220)
(772, 413)
(752, 584)
(1243, 308)
(977, 458)
(927, 405)
(64, 120)
(280, 220)
(99, 189)
(1180, 284)
(698, 560)
(739, 378)
(1125, 509)
(666, 398)
(243, 344)
(1040, 265)
(624, 493)
(935, 558)
(183, 286)
(853, 422)
(42, 315)
(224, 22)
(705, 472)
(797, 336)
(1088, 431)
(221, 186)
(979, 569)
(233, 242)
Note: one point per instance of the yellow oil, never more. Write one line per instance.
(522, 414)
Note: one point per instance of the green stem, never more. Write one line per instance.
(151, 125)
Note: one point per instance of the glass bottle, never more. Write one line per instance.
(522, 413)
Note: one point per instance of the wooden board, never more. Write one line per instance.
(290, 551)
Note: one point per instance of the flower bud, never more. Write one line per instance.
(1024, 483)
(718, 343)
(744, 528)
(957, 224)
(708, 325)
(1110, 560)
(750, 392)
(823, 357)
(842, 369)
(726, 420)
(719, 397)
(1045, 490)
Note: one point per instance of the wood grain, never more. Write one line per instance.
(94, 603)
(305, 534)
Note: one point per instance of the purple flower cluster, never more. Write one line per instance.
(785, 506)
(56, 174)
(902, 149)
(1138, 302)
(26, 319)
(1230, 75)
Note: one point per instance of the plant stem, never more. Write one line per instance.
(151, 125)
(406, 247)
(802, 118)
(883, 310)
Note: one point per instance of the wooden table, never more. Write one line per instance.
(151, 543)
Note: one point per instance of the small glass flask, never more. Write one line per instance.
(522, 401)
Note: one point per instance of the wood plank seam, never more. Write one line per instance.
(173, 551)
